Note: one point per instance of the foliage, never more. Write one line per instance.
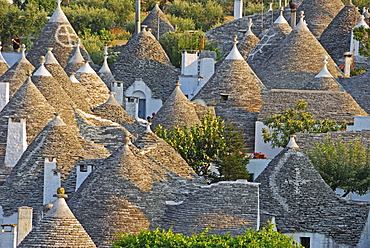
(357, 71)
(174, 42)
(45, 5)
(85, 18)
(182, 24)
(211, 141)
(204, 14)
(264, 238)
(25, 23)
(343, 165)
(119, 10)
(295, 120)
(253, 8)
(362, 35)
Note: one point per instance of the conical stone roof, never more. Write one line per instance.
(176, 111)
(113, 111)
(17, 74)
(105, 73)
(141, 46)
(59, 228)
(3, 64)
(336, 38)
(247, 44)
(59, 34)
(333, 105)
(152, 22)
(76, 61)
(320, 13)
(291, 189)
(74, 90)
(26, 182)
(296, 60)
(324, 80)
(268, 43)
(359, 88)
(121, 195)
(144, 53)
(164, 154)
(54, 94)
(235, 79)
(95, 87)
(30, 103)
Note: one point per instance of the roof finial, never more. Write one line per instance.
(177, 83)
(324, 71)
(50, 49)
(235, 39)
(59, 2)
(143, 27)
(23, 49)
(42, 58)
(60, 193)
(157, 3)
(56, 114)
(292, 144)
(350, 2)
(301, 15)
(281, 18)
(105, 49)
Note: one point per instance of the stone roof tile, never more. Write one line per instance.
(74, 90)
(291, 189)
(320, 13)
(26, 181)
(59, 34)
(359, 88)
(176, 111)
(152, 22)
(296, 60)
(336, 38)
(96, 88)
(113, 111)
(123, 182)
(339, 106)
(17, 74)
(59, 228)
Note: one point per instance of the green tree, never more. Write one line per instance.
(264, 238)
(211, 141)
(295, 120)
(204, 14)
(343, 165)
(174, 42)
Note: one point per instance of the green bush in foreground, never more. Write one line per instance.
(264, 238)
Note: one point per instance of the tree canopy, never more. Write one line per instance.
(210, 142)
(264, 238)
(295, 120)
(343, 165)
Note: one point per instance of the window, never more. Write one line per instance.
(305, 242)
(251, 177)
(224, 97)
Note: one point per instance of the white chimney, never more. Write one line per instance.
(132, 106)
(24, 222)
(117, 88)
(347, 64)
(16, 142)
(8, 236)
(4, 95)
(189, 63)
(82, 171)
(51, 180)
(238, 9)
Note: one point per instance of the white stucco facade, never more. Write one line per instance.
(148, 103)
(16, 142)
(51, 180)
(4, 94)
(316, 240)
(82, 172)
(261, 146)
